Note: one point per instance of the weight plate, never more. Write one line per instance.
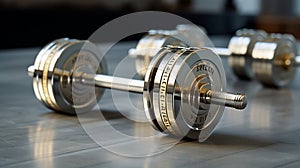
(40, 78)
(57, 82)
(148, 47)
(272, 59)
(241, 46)
(170, 92)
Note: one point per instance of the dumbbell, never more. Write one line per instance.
(183, 89)
(271, 71)
(272, 59)
(148, 46)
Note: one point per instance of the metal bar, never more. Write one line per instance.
(237, 101)
(221, 51)
(105, 81)
(297, 61)
(118, 83)
(137, 86)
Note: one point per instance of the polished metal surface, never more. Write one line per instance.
(183, 35)
(230, 100)
(266, 134)
(241, 46)
(148, 47)
(180, 113)
(239, 50)
(100, 80)
(79, 76)
(270, 58)
(297, 61)
(57, 92)
(124, 84)
(275, 49)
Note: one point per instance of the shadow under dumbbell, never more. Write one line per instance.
(141, 129)
(58, 115)
(107, 114)
(50, 116)
(224, 139)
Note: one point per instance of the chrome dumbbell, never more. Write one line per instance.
(190, 35)
(182, 91)
(240, 50)
(272, 59)
(243, 49)
(150, 44)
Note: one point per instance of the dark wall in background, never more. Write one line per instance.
(33, 23)
(36, 27)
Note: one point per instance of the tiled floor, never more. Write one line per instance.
(266, 134)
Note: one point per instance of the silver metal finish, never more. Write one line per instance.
(248, 51)
(148, 47)
(104, 81)
(170, 101)
(273, 58)
(57, 92)
(221, 51)
(118, 83)
(293, 62)
(192, 72)
(241, 47)
(229, 99)
(297, 61)
(184, 35)
(266, 134)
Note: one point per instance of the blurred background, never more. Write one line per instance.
(30, 23)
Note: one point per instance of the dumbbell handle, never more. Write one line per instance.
(124, 84)
(297, 61)
(227, 52)
(237, 101)
(221, 51)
